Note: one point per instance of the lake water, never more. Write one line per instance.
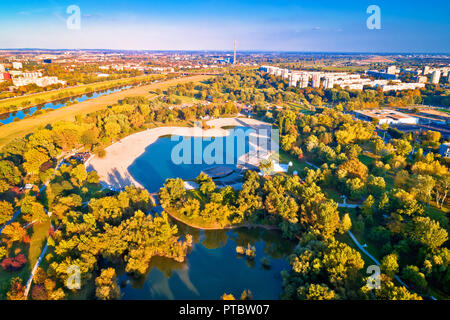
(155, 165)
(213, 268)
(6, 118)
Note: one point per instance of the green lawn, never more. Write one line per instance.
(40, 233)
(297, 165)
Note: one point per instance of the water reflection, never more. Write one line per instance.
(213, 267)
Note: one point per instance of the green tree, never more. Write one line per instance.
(427, 231)
(389, 264)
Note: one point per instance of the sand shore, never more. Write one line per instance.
(113, 168)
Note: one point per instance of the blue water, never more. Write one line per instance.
(156, 165)
(21, 114)
(213, 268)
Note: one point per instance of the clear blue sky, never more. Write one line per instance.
(280, 25)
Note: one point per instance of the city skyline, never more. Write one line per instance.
(285, 26)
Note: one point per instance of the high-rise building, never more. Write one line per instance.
(234, 56)
(426, 70)
(328, 83)
(391, 70)
(436, 76)
(2, 68)
(304, 81)
(316, 80)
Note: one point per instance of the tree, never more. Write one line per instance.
(17, 289)
(172, 192)
(414, 276)
(9, 175)
(402, 147)
(389, 264)
(12, 233)
(427, 231)
(107, 287)
(227, 296)
(424, 186)
(6, 212)
(353, 168)
(79, 174)
(316, 292)
(346, 223)
(389, 291)
(34, 158)
(367, 208)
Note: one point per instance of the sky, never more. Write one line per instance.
(276, 25)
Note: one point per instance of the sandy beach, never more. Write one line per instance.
(113, 168)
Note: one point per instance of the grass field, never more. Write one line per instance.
(28, 125)
(6, 105)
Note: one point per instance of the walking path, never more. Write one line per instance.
(14, 217)
(372, 257)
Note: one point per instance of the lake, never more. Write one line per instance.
(213, 268)
(155, 165)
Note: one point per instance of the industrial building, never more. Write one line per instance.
(388, 116)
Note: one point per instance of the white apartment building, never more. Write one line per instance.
(436, 76)
(345, 80)
(40, 82)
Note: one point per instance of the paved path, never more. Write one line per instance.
(312, 165)
(14, 217)
(372, 257)
(349, 205)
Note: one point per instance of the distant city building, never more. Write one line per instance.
(17, 65)
(301, 79)
(421, 79)
(328, 83)
(382, 75)
(39, 81)
(391, 70)
(316, 80)
(436, 76)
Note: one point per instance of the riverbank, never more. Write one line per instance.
(17, 130)
(113, 168)
(63, 93)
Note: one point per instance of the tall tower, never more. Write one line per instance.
(234, 57)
